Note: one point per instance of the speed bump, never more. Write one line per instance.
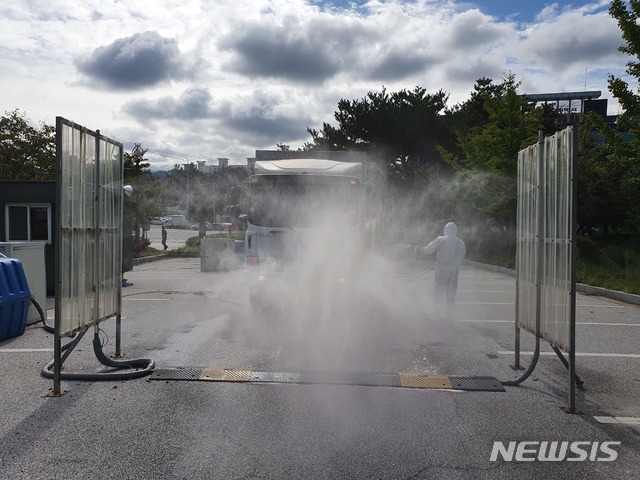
(214, 374)
(421, 380)
(403, 379)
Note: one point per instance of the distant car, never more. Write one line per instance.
(222, 226)
(157, 221)
(177, 221)
(197, 226)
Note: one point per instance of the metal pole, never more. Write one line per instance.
(516, 349)
(516, 362)
(57, 343)
(118, 332)
(96, 233)
(120, 243)
(519, 220)
(572, 308)
(540, 231)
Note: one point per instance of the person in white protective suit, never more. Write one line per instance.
(449, 251)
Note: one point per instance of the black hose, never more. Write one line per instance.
(43, 316)
(417, 277)
(137, 363)
(145, 365)
(532, 366)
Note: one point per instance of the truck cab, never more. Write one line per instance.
(304, 220)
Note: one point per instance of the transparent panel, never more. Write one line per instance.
(110, 215)
(90, 215)
(556, 189)
(527, 237)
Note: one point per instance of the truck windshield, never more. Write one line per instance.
(303, 200)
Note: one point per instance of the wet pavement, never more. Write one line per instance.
(182, 317)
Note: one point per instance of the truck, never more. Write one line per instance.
(177, 221)
(305, 229)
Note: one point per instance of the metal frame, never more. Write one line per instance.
(555, 230)
(94, 232)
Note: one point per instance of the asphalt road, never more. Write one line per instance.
(176, 237)
(179, 316)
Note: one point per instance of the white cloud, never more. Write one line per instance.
(141, 60)
(222, 78)
(571, 40)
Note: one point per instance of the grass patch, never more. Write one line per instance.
(499, 259)
(183, 251)
(616, 267)
(613, 266)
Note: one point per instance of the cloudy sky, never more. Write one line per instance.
(197, 80)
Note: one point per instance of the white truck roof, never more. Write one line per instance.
(309, 166)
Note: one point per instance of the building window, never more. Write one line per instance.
(28, 222)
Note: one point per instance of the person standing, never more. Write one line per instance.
(164, 237)
(450, 252)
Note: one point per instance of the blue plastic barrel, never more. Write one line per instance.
(15, 298)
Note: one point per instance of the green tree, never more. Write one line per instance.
(204, 196)
(510, 125)
(26, 152)
(403, 128)
(491, 128)
(134, 163)
(148, 193)
(181, 184)
(472, 113)
(627, 151)
(602, 204)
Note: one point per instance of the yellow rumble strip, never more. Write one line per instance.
(370, 379)
(418, 380)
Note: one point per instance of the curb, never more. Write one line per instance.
(580, 287)
(163, 256)
(151, 258)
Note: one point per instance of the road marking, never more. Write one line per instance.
(618, 420)
(578, 354)
(607, 324)
(578, 305)
(325, 377)
(487, 321)
(486, 291)
(148, 299)
(604, 306)
(25, 350)
(486, 303)
(604, 324)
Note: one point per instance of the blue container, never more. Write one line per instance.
(15, 298)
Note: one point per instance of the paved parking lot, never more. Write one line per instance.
(182, 317)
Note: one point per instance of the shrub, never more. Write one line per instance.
(587, 249)
(193, 242)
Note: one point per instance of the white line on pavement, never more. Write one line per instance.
(618, 420)
(604, 324)
(608, 324)
(604, 306)
(578, 354)
(25, 350)
(485, 291)
(487, 321)
(148, 299)
(513, 303)
(485, 303)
